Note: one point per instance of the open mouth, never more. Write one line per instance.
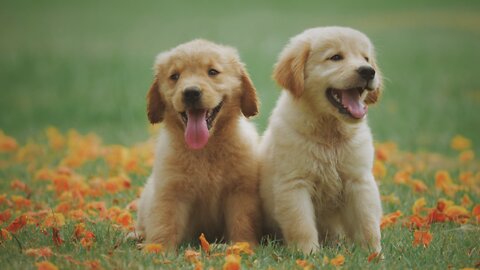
(348, 101)
(208, 115)
(198, 123)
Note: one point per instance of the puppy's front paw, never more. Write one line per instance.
(307, 247)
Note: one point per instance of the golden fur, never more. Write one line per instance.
(316, 162)
(212, 190)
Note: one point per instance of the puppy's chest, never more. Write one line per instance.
(326, 176)
(205, 174)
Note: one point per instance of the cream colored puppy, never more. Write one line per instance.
(317, 152)
(205, 175)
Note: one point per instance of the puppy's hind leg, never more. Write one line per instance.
(362, 213)
(294, 212)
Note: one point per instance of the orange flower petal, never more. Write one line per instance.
(390, 219)
(457, 213)
(467, 178)
(17, 224)
(232, 262)
(466, 156)
(304, 264)
(39, 252)
(418, 185)
(87, 241)
(7, 143)
(20, 201)
(191, 255)
(373, 256)
(466, 201)
(92, 265)
(204, 243)
(239, 248)
(338, 260)
(476, 210)
(422, 237)
(54, 220)
(57, 240)
(79, 230)
(436, 216)
(460, 143)
(198, 266)
(379, 170)
(17, 184)
(419, 206)
(44, 174)
(444, 182)
(46, 265)
(124, 219)
(5, 215)
(402, 177)
(416, 222)
(153, 248)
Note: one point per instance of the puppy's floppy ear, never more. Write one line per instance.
(374, 96)
(155, 103)
(249, 100)
(289, 69)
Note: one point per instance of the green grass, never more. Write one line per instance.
(87, 65)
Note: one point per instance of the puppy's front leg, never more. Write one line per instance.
(362, 212)
(167, 221)
(294, 211)
(242, 217)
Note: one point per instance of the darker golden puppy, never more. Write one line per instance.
(204, 177)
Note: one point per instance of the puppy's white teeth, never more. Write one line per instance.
(336, 96)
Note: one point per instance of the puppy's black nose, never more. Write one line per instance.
(191, 95)
(366, 72)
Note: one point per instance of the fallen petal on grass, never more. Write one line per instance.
(153, 248)
(422, 238)
(338, 260)
(204, 243)
(240, 248)
(232, 262)
(39, 252)
(46, 265)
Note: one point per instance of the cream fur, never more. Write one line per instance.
(213, 190)
(316, 179)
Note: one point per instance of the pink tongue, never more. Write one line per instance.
(196, 133)
(351, 100)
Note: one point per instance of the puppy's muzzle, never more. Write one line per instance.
(192, 97)
(367, 73)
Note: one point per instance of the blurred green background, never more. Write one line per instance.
(88, 64)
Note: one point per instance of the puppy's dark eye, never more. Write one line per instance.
(213, 72)
(367, 59)
(174, 76)
(336, 57)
